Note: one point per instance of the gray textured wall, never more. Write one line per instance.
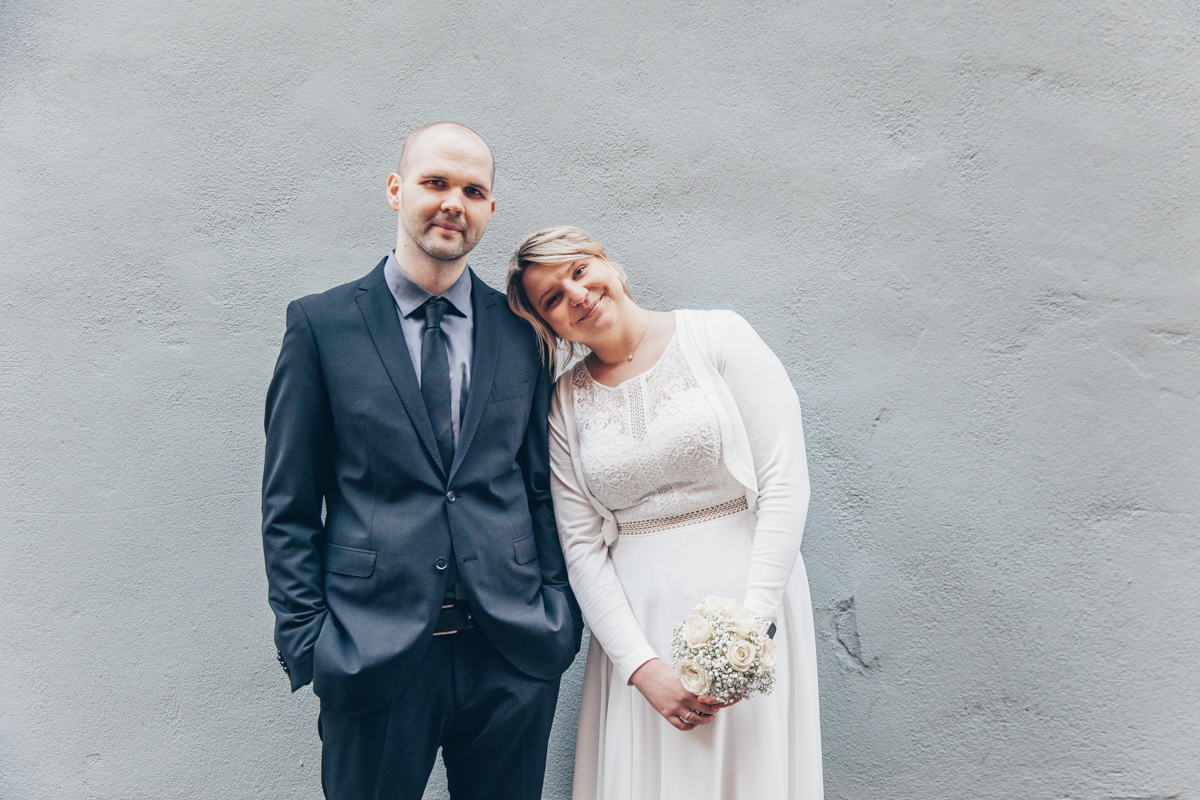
(969, 229)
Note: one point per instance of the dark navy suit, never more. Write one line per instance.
(359, 514)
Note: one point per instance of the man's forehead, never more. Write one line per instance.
(451, 150)
(443, 159)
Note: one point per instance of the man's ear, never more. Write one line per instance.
(393, 191)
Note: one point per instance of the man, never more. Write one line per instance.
(428, 603)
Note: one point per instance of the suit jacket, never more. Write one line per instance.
(358, 508)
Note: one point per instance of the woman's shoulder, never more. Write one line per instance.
(567, 378)
(712, 328)
(711, 317)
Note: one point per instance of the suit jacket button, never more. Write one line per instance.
(450, 496)
(441, 563)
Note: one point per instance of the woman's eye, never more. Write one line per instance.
(580, 271)
(552, 301)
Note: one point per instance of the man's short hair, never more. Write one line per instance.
(421, 131)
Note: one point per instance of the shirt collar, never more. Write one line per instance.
(410, 295)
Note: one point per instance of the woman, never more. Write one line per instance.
(678, 471)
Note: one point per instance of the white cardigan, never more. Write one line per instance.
(762, 445)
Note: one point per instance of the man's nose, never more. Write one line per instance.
(453, 202)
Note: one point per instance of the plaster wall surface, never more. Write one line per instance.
(969, 229)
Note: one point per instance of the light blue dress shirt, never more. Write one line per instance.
(458, 326)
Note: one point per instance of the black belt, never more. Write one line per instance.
(455, 617)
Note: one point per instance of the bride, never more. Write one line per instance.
(678, 471)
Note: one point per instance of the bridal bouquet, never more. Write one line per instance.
(722, 651)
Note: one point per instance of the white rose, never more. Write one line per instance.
(716, 605)
(696, 631)
(693, 678)
(743, 621)
(740, 655)
(768, 654)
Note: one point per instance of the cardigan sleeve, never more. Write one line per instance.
(593, 577)
(770, 411)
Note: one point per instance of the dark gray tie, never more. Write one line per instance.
(435, 379)
(435, 388)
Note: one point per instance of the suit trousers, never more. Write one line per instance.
(491, 720)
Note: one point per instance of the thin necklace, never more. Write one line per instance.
(649, 314)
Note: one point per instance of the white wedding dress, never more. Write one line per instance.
(651, 453)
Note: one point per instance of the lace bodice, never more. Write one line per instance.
(651, 447)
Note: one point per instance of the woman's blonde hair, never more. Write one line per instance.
(552, 246)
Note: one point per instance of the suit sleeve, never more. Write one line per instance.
(297, 472)
(534, 461)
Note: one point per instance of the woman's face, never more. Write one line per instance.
(580, 300)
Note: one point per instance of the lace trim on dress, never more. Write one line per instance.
(637, 411)
(644, 526)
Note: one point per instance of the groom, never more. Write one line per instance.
(412, 557)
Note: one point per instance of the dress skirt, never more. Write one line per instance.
(767, 747)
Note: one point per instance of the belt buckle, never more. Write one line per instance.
(467, 624)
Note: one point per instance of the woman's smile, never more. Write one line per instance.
(591, 309)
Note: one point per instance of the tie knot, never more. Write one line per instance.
(435, 309)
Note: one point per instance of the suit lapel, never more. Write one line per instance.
(486, 352)
(378, 308)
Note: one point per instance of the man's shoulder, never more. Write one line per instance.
(494, 298)
(485, 291)
(340, 296)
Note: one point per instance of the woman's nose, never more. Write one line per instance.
(575, 293)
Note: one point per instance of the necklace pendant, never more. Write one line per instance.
(630, 357)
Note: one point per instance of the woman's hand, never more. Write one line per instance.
(661, 687)
(715, 703)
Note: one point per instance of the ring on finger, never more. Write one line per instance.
(686, 717)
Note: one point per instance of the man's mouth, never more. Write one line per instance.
(450, 226)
